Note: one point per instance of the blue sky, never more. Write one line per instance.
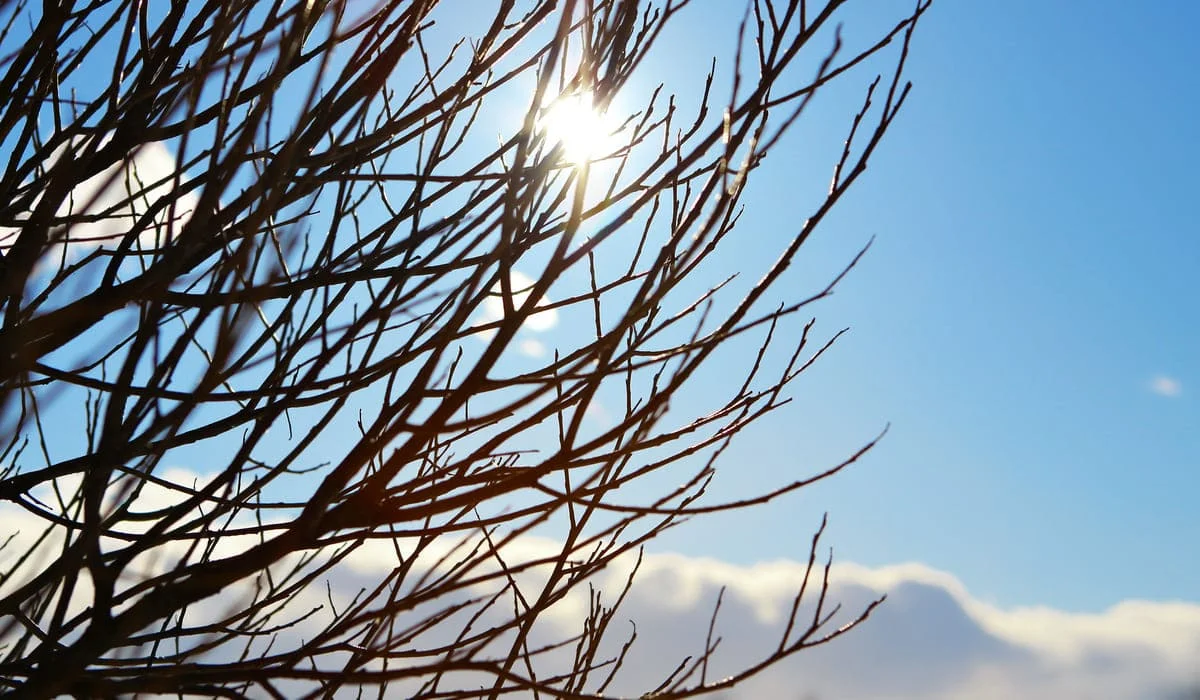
(1034, 271)
(1036, 268)
(1025, 322)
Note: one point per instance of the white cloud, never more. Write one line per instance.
(1166, 386)
(532, 347)
(930, 639)
(493, 308)
(132, 187)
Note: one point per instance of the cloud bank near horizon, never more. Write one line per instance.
(930, 639)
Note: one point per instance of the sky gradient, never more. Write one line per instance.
(1026, 319)
(1025, 325)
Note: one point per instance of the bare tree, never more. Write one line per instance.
(279, 243)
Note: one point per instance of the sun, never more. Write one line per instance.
(584, 131)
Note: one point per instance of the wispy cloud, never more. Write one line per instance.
(1164, 385)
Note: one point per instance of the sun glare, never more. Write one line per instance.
(583, 131)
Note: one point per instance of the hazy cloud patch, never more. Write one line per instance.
(520, 285)
(532, 347)
(1164, 385)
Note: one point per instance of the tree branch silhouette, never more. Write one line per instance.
(295, 247)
